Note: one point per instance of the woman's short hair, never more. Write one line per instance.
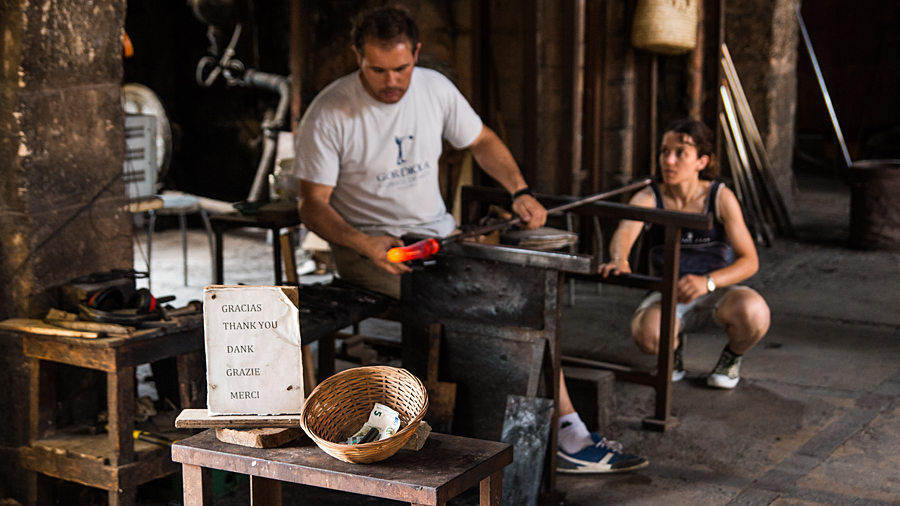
(392, 24)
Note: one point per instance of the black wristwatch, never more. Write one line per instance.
(524, 191)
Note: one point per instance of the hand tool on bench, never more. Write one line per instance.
(441, 394)
(427, 247)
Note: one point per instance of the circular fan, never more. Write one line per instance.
(139, 99)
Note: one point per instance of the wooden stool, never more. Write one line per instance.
(223, 222)
(445, 467)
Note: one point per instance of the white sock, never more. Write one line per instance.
(573, 434)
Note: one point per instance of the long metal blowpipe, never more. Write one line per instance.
(825, 95)
(427, 247)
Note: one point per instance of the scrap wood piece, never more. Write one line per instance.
(35, 326)
(200, 419)
(271, 437)
(102, 329)
(59, 314)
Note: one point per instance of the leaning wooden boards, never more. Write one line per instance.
(253, 359)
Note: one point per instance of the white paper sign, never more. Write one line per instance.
(253, 361)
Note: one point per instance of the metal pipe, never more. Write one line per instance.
(825, 95)
(427, 247)
(281, 85)
(557, 209)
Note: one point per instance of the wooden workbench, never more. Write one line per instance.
(445, 467)
(114, 461)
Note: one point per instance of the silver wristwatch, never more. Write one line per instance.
(710, 284)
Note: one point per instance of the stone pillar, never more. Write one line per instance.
(762, 37)
(61, 156)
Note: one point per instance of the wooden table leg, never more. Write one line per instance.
(192, 379)
(264, 492)
(42, 399)
(492, 490)
(197, 483)
(120, 406)
(40, 489)
(126, 497)
(309, 371)
(326, 357)
(276, 254)
(220, 257)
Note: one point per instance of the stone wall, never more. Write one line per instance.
(61, 155)
(762, 38)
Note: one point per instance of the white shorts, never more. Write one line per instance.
(697, 313)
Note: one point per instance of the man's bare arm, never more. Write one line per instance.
(495, 158)
(318, 216)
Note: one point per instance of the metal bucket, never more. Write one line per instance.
(875, 204)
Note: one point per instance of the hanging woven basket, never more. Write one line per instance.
(665, 26)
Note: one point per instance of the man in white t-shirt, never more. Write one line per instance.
(367, 158)
(367, 155)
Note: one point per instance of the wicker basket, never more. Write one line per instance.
(341, 404)
(665, 26)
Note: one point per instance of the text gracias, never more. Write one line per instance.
(244, 348)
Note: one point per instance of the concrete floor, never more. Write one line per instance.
(814, 421)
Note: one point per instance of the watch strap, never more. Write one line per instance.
(524, 191)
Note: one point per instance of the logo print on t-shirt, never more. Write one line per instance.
(399, 141)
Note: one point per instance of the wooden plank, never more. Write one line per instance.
(35, 326)
(98, 358)
(85, 460)
(200, 419)
(102, 329)
(271, 437)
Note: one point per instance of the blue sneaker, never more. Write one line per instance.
(604, 456)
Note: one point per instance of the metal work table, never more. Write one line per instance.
(115, 461)
(326, 309)
(445, 467)
(500, 309)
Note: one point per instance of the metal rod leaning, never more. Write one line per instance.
(739, 187)
(825, 94)
(744, 166)
(755, 144)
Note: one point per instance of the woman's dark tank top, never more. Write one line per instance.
(702, 251)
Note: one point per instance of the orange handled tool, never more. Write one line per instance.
(430, 246)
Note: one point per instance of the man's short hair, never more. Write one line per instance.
(387, 25)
